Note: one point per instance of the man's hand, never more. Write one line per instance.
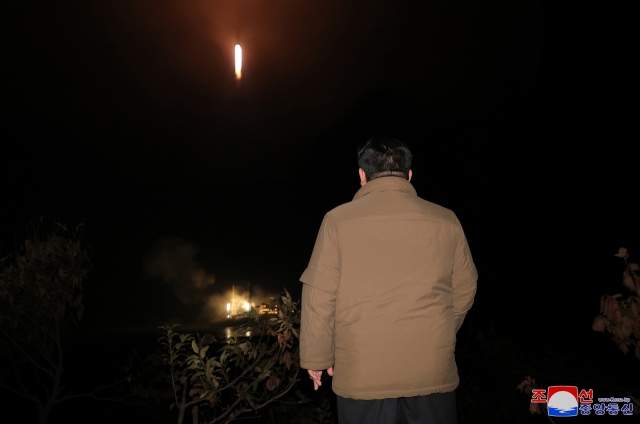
(316, 376)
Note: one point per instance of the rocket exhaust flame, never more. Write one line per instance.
(238, 52)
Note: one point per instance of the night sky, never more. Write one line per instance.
(126, 116)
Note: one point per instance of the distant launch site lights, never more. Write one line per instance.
(241, 303)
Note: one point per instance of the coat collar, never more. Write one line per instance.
(385, 184)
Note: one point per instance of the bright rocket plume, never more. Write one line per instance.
(238, 61)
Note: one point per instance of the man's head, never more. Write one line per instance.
(384, 157)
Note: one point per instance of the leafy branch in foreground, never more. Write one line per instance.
(40, 298)
(244, 375)
(621, 317)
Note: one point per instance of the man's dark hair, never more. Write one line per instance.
(384, 157)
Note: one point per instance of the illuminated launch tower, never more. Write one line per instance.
(238, 306)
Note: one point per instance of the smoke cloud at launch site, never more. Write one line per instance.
(173, 261)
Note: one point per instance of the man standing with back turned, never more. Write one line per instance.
(388, 285)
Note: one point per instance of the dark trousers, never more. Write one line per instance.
(436, 408)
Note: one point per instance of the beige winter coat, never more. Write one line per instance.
(388, 285)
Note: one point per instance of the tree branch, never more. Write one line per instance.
(25, 395)
(182, 405)
(92, 396)
(250, 367)
(34, 363)
(18, 379)
(26, 340)
(243, 410)
(291, 383)
(40, 333)
(59, 345)
(233, 405)
(37, 380)
(278, 396)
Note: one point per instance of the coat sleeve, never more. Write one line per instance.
(319, 300)
(465, 278)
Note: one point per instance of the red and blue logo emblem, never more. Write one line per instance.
(565, 401)
(562, 401)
